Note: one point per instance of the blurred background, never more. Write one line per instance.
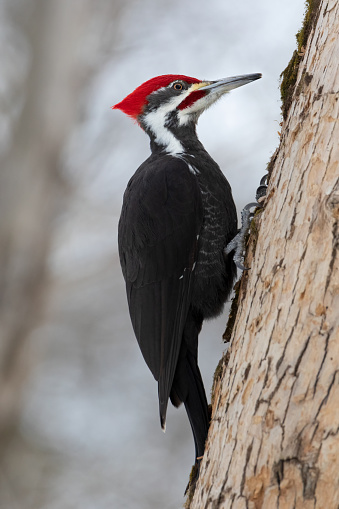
(79, 423)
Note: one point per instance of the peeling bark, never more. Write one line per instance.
(274, 435)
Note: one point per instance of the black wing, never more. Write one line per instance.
(158, 236)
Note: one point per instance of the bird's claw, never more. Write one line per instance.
(260, 194)
(237, 244)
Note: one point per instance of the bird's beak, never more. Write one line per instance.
(225, 85)
(203, 94)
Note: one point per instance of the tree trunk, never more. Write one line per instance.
(274, 435)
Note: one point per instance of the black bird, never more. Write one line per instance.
(177, 217)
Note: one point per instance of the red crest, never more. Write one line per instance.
(134, 103)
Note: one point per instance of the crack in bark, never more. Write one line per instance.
(297, 364)
(276, 388)
(223, 490)
(331, 433)
(324, 400)
(259, 400)
(279, 362)
(309, 476)
(232, 500)
(335, 247)
(271, 396)
(247, 459)
(322, 362)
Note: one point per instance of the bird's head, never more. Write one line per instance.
(171, 102)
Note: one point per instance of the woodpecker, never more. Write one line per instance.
(177, 218)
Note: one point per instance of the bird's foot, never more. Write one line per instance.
(260, 194)
(237, 244)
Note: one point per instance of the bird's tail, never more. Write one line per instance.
(188, 386)
(196, 407)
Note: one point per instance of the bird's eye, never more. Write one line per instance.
(178, 86)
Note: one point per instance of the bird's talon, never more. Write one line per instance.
(263, 180)
(241, 266)
(249, 206)
(261, 193)
(237, 243)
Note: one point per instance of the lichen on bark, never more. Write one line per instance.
(290, 73)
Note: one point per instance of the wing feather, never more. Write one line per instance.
(160, 221)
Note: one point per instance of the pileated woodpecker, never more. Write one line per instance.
(177, 217)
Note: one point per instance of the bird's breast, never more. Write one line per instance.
(214, 273)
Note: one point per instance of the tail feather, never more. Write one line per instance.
(196, 406)
(162, 412)
(188, 386)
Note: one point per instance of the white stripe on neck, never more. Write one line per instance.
(155, 121)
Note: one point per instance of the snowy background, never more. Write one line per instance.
(89, 434)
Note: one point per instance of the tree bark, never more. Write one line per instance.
(274, 435)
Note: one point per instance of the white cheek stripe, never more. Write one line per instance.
(155, 121)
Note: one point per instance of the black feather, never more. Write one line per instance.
(178, 215)
(160, 221)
